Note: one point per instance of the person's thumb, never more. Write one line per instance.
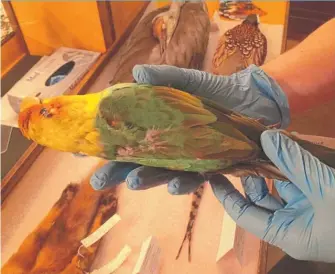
(314, 178)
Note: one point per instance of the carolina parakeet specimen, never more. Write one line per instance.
(240, 47)
(154, 126)
(174, 35)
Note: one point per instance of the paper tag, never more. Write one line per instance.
(148, 261)
(114, 264)
(227, 236)
(101, 231)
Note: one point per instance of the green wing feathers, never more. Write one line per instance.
(165, 127)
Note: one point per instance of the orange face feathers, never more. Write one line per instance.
(33, 110)
(65, 123)
(24, 120)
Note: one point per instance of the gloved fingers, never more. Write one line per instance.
(304, 170)
(287, 190)
(247, 215)
(189, 80)
(249, 91)
(111, 174)
(185, 183)
(257, 192)
(145, 177)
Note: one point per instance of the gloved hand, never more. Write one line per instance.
(303, 225)
(250, 92)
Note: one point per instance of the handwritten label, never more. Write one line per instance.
(101, 231)
(149, 259)
(114, 264)
(227, 236)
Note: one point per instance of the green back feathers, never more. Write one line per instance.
(165, 127)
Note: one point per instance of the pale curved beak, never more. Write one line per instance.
(28, 101)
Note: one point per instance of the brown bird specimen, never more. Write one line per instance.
(52, 247)
(240, 47)
(239, 10)
(174, 35)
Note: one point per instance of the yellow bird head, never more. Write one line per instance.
(63, 123)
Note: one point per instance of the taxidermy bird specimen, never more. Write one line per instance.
(174, 35)
(155, 126)
(52, 247)
(240, 47)
(239, 10)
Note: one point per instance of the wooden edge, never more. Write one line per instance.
(7, 38)
(106, 21)
(14, 175)
(11, 54)
(18, 170)
(284, 38)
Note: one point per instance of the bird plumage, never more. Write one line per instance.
(239, 10)
(65, 123)
(184, 46)
(240, 47)
(150, 125)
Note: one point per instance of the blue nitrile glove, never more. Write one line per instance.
(304, 225)
(250, 92)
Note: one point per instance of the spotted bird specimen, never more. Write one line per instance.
(239, 10)
(240, 47)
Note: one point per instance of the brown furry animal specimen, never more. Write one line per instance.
(52, 247)
(174, 35)
(107, 208)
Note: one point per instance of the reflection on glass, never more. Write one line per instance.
(6, 28)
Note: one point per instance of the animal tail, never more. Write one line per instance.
(197, 195)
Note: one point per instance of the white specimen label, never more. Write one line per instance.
(101, 231)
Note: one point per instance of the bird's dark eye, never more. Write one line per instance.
(45, 113)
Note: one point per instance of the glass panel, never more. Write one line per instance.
(6, 28)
